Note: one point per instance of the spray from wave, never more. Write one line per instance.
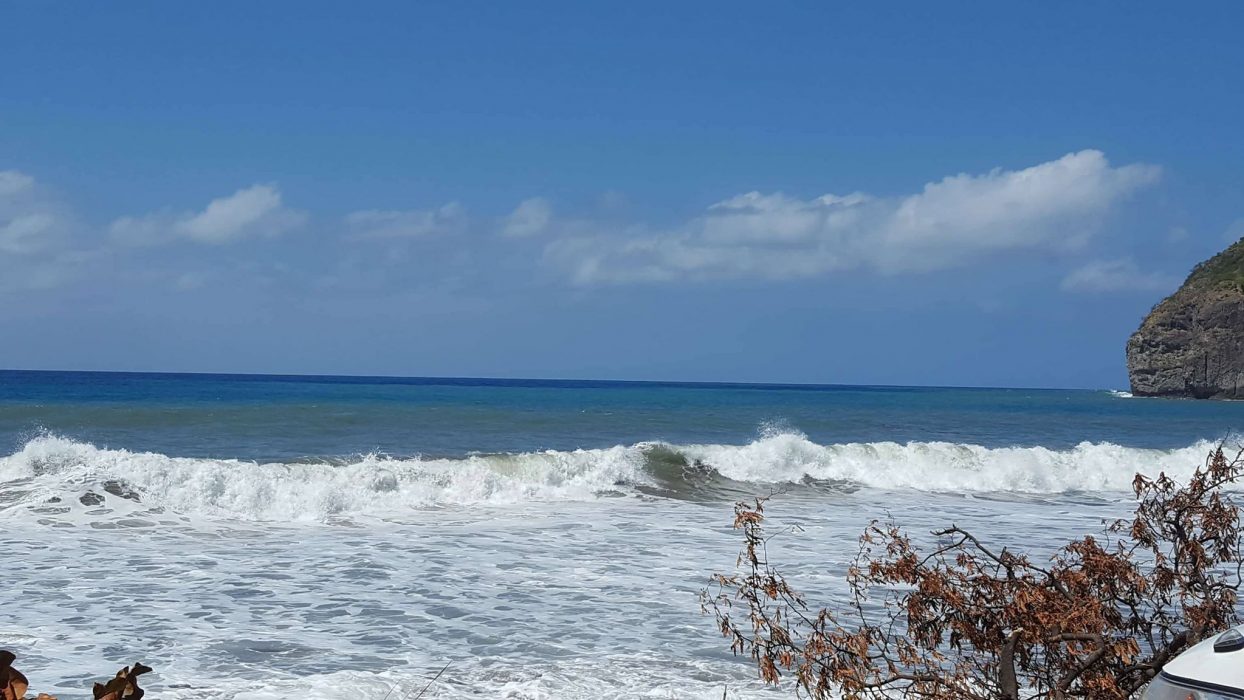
(52, 472)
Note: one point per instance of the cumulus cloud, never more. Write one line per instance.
(412, 223)
(27, 233)
(253, 211)
(1121, 275)
(13, 183)
(1053, 206)
(30, 221)
(530, 218)
(39, 249)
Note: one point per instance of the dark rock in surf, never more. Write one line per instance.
(121, 490)
(90, 498)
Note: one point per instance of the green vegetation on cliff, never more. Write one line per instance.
(1225, 268)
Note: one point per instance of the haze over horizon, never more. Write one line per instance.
(953, 196)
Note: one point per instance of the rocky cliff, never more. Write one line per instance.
(1192, 344)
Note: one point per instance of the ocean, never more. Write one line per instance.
(268, 537)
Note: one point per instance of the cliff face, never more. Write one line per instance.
(1192, 344)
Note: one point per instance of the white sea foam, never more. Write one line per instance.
(557, 593)
(1118, 394)
(946, 466)
(51, 467)
(582, 601)
(611, 678)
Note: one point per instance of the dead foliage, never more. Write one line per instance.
(969, 621)
(124, 686)
(13, 684)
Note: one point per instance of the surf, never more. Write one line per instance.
(53, 473)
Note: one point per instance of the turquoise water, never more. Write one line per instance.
(326, 537)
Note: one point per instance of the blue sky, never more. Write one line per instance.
(963, 193)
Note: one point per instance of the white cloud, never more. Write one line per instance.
(249, 212)
(255, 210)
(1053, 206)
(30, 221)
(28, 233)
(1119, 275)
(38, 246)
(530, 218)
(12, 183)
(414, 223)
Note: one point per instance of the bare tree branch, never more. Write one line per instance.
(968, 621)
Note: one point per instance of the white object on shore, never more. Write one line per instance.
(1211, 670)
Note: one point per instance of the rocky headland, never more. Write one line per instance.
(1191, 345)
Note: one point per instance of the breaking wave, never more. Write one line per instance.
(51, 473)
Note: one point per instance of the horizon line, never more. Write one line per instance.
(448, 378)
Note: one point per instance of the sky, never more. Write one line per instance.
(967, 194)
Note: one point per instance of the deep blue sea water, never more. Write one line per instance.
(320, 538)
(293, 417)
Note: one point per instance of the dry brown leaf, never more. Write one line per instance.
(124, 686)
(13, 684)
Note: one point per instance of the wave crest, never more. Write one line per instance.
(56, 472)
